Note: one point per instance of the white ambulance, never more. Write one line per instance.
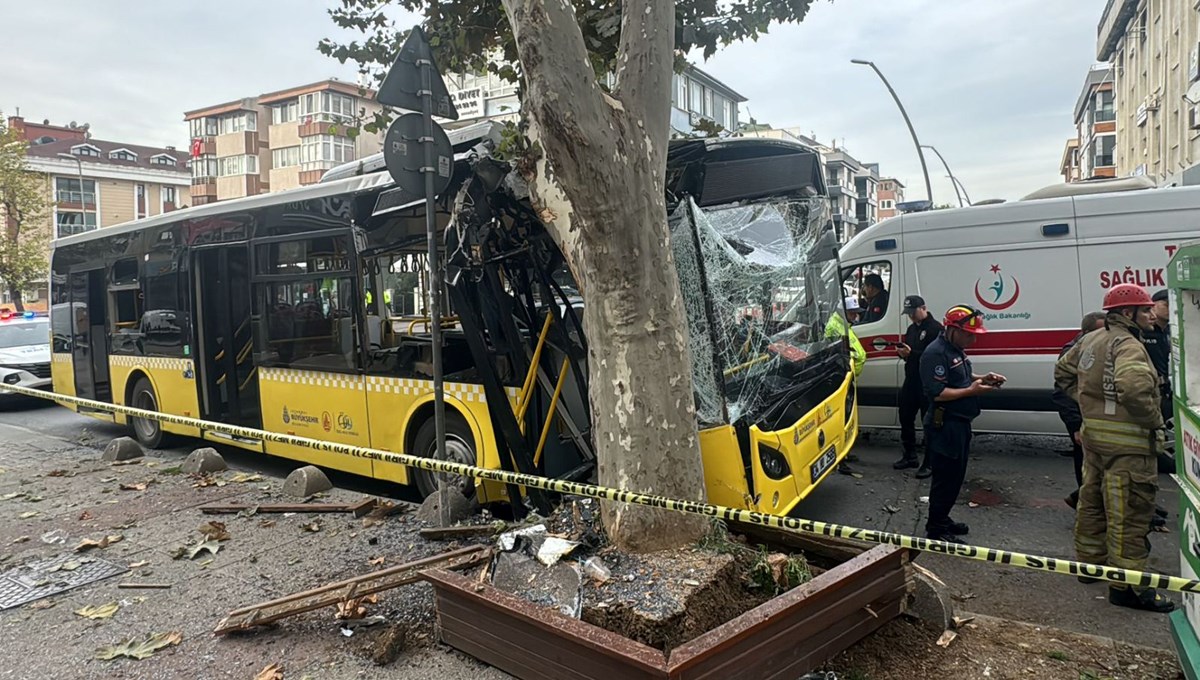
(1034, 267)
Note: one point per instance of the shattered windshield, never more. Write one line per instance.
(758, 301)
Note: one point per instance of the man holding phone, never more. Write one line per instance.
(953, 390)
(921, 333)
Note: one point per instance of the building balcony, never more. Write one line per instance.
(1117, 14)
(841, 190)
(207, 147)
(204, 187)
(310, 177)
(74, 200)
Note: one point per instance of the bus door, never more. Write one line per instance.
(228, 379)
(89, 326)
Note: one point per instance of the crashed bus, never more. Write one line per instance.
(301, 312)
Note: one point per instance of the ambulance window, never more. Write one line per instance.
(867, 286)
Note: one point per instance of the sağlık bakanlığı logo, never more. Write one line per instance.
(1002, 295)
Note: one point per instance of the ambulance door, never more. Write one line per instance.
(880, 380)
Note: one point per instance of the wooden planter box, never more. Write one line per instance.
(783, 638)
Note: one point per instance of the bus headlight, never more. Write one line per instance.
(773, 462)
(850, 397)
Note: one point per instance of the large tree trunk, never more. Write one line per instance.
(600, 190)
(17, 300)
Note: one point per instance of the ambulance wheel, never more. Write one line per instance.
(460, 448)
(148, 433)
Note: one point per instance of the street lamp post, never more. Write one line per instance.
(911, 131)
(960, 186)
(82, 202)
(950, 174)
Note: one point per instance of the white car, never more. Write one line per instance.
(25, 353)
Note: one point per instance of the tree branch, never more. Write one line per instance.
(645, 64)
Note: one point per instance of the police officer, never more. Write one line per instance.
(923, 330)
(1114, 381)
(953, 390)
(1157, 340)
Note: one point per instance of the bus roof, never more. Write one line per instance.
(349, 185)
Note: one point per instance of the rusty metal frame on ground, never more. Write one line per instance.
(359, 586)
(1052, 565)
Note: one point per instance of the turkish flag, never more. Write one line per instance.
(197, 147)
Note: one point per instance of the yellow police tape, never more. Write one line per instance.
(1054, 565)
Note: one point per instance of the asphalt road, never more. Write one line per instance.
(1016, 483)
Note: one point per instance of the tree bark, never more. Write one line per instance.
(600, 189)
(17, 300)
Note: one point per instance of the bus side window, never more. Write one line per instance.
(125, 299)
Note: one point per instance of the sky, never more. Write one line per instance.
(991, 83)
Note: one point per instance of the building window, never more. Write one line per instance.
(285, 113)
(205, 127)
(123, 155)
(321, 152)
(85, 150)
(1104, 150)
(204, 168)
(141, 205)
(242, 121)
(164, 159)
(70, 223)
(680, 98)
(887, 204)
(286, 157)
(697, 94)
(727, 114)
(170, 198)
(709, 109)
(66, 190)
(1104, 107)
(237, 165)
(326, 107)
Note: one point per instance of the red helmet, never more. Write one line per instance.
(965, 318)
(1126, 295)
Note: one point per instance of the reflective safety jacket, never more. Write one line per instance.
(1111, 376)
(838, 328)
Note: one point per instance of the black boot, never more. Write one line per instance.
(1160, 512)
(1147, 600)
(907, 460)
(1073, 499)
(958, 528)
(925, 472)
(944, 536)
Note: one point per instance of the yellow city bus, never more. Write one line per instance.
(302, 312)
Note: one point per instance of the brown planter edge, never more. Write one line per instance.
(797, 630)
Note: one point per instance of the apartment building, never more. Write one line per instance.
(94, 183)
(278, 140)
(695, 96)
(1092, 152)
(891, 193)
(1153, 47)
(867, 184)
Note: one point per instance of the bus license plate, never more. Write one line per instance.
(823, 463)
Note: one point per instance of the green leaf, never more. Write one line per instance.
(103, 611)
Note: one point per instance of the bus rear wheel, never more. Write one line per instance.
(460, 448)
(148, 433)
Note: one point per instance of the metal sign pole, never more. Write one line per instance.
(435, 273)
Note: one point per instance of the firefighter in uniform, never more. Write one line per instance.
(953, 391)
(1117, 388)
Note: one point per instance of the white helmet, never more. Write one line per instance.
(852, 304)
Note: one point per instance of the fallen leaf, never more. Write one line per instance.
(34, 499)
(313, 526)
(267, 523)
(243, 477)
(85, 516)
(210, 546)
(248, 512)
(1161, 529)
(43, 604)
(103, 611)
(88, 544)
(20, 539)
(856, 475)
(214, 531)
(60, 473)
(972, 504)
(376, 561)
(891, 509)
(138, 565)
(355, 607)
(107, 480)
(140, 649)
(946, 638)
(27, 515)
(70, 565)
(10, 496)
(964, 597)
(960, 621)
(272, 672)
(139, 486)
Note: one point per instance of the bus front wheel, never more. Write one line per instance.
(460, 448)
(148, 433)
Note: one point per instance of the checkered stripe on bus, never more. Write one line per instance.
(460, 391)
(164, 363)
(317, 378)
(60, 358)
